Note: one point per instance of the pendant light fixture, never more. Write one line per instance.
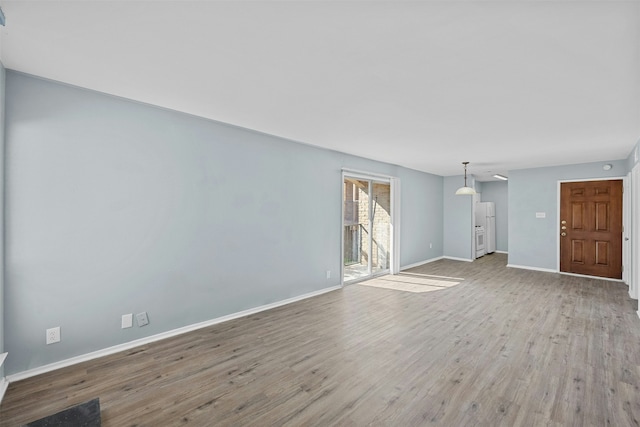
(465, 191)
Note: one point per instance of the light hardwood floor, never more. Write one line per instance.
(462, 344)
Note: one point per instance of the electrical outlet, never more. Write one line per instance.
(127, 320)
(430, 245)
(53, 335)
(142, 319)
(328, 274)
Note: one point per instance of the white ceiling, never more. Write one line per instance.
(423, 84)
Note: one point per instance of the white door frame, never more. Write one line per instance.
(626, 231)
(634, 234)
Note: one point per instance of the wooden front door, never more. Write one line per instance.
(591, 228)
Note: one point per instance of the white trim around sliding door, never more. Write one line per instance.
(395, 225)
(394, 184)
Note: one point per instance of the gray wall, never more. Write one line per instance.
(533, 242)
(424, 211)
(2, 269)
(497, 192)
(457, 221)
(634, 156)
(117, 207)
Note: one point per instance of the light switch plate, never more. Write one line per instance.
(127, 320)
(541, 214)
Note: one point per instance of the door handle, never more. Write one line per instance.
(563, 234)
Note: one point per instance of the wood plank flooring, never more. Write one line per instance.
(462, 344)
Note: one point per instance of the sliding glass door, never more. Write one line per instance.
(366, 228)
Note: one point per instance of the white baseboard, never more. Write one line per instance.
(3, 381)
(418, 264)
(4, 384)
(457, 259)
(153, 338)
(527, 267)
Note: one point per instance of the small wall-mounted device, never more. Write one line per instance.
(142, 319)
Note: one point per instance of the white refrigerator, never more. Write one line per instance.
(486, 217)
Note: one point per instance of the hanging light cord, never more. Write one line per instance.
(465, 172)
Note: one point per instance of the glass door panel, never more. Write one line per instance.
(380, 225)
(357, 244)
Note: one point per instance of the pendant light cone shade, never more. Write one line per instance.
(465, 191)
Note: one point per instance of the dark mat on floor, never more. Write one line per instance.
(86, 414)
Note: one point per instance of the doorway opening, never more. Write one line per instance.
(366, 226)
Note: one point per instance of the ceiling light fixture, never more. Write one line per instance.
(502, 177)
(465, 191)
